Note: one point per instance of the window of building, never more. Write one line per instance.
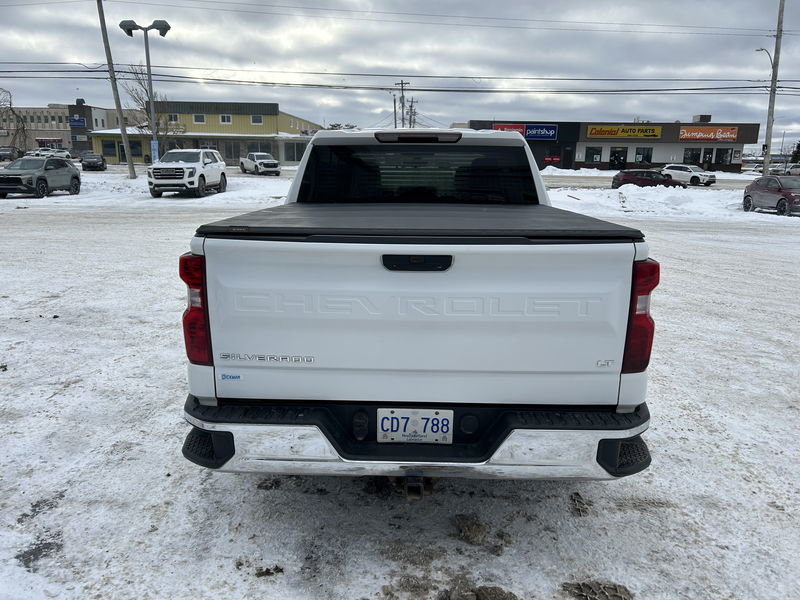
(256, 120)
(38, 118)
(198, 119)
(259, 147)
(125, 120)
(136, 147)
(293, 151)
(644, 155)
(723, 156)
(109, 148)
(231, 150)
(691, 156)
(102, 122)
(46, 119)
(60, 119)
(212, 144)
(172, 118)
(291, 123)
(225, 119)
(594, 154)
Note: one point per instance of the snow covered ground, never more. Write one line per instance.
(96, 501)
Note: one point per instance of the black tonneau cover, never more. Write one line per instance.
(412, 222)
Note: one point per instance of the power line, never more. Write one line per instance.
(418, 76)
(217, 8)
(479, 17)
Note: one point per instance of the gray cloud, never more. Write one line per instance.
(226, 44)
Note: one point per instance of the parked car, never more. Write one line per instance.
(781, 194)
(61, 153)
(93, 162)
(784, 169)
(187, 171)
(9, 153)
(39, 176)
(691, 174)
(644, 178)
(260, 163)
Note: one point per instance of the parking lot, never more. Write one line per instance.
(98, 502)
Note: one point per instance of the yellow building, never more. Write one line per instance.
(232, 128)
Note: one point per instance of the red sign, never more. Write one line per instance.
(552, 159)
(519, 128)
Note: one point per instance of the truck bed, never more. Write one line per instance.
(418, 222)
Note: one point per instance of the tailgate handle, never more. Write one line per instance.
(417, 262)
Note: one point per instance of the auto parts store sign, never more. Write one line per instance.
(623, 131)
(709, 134)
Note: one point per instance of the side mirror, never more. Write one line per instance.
(207, 161)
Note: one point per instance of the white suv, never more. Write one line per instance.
(691, 174)
(187, 171)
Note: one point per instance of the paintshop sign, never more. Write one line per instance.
(709, 134)
(541, 132)
(623, 131)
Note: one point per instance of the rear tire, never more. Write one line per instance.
(747, 204)
(782, 208)
(75, 186)
(223, 184)
(3, 195)
(41, 189)
(241, 168)
(200, 190)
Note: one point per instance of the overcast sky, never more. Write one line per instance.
(713, 42)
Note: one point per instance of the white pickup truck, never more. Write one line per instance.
(418, 309)
(260, 163)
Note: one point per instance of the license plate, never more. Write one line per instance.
(415, 426)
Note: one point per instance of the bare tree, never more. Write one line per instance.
(13, 120)
(136, 88)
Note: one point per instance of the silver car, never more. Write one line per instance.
(39, 176)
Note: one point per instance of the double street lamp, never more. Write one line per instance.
(129, 26)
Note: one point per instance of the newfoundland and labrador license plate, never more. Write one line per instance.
(415, 426)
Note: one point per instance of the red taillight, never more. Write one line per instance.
(196, 332)
(641, 328)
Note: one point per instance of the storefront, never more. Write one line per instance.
(715, 146)
(552, 142)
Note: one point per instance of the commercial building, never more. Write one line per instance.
(232, 128)
(615, 145)
(56, 125)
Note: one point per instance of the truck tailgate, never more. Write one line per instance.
(328, 321)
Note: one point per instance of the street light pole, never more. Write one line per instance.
(163, 27)
(773, 88)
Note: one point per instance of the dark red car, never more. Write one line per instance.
(644, 178)
(781, 194)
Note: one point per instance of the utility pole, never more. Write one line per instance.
(411, 115)
(123, 128)
(394, 98)
(402, 85)
(773, 88)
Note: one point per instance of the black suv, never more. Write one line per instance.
(93, 162)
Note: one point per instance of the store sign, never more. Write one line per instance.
(77, 122)
(79, 138)
(709, 134)
(541, 132)
(624, 131)
(518, 127)
(550, 159)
